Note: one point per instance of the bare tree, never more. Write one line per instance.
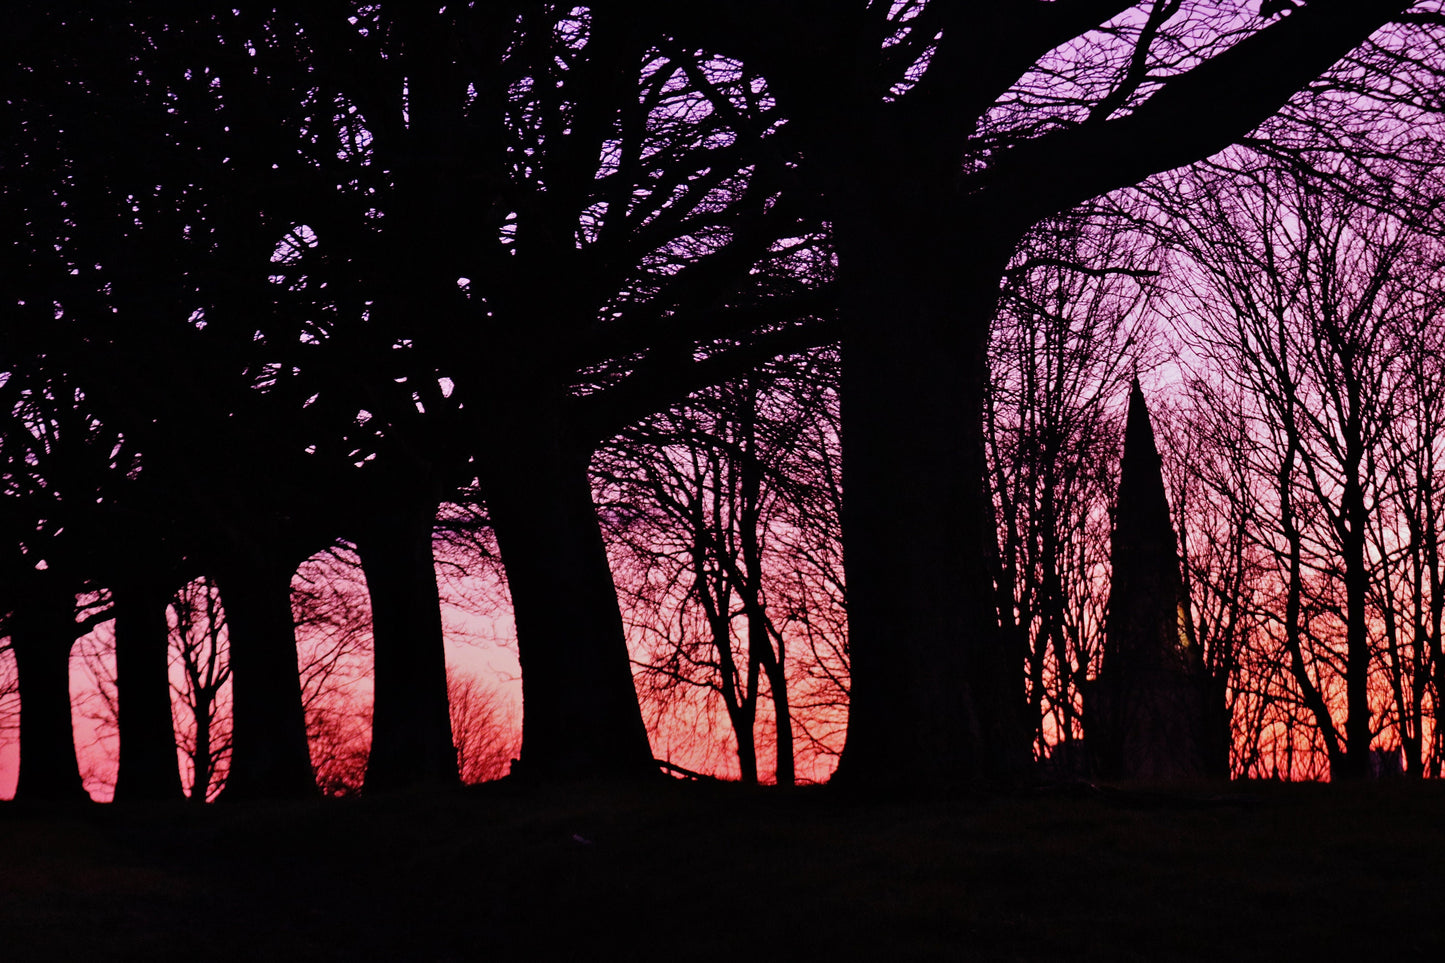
(333, 630)
(201, 696)
(710, 509)
(486, 736)
(1305, 302)
(808, 593)
(1073, 327)
(1408, 573)
(1224, 569)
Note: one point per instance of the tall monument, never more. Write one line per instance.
(1155, 711)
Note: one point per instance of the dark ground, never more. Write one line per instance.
(713, 872)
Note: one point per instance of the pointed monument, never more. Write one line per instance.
(1154, 712)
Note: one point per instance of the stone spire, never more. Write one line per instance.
(1154, 712)
(1143, 626)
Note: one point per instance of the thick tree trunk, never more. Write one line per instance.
(269, 753)
(42, 631)
(411, 729)
(148, 767)
(581, 714)
(937, 696)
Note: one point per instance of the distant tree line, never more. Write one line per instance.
(730, 323)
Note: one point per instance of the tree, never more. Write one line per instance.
(938, 134)
(1072, 325)
(699, 481)
(335, 657)
(1411, 592)
(201, 700)
(333, 665)
(487, 739)
(703, 503)
(808, 594)
(686, 145)
(595, 155)
(1307, 299)
(1225, 574)
(56, 458)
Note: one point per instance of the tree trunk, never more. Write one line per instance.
(760, 637)
(1293, 614)
(785, 772)
(148, 768)
(202, 764)
(1357, 642)
(581, 713)
(411, 729)
(269, 753)
(742, 706)
(742, 718)
(937, 695)
(42, 631)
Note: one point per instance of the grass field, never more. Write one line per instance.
(715, 872)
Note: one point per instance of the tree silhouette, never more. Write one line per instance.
(57, 460)
(486, 737)
(709, 506)
(938, 135)
(603, 160)
(1073, 320)
(1310, 303)
(199, 646)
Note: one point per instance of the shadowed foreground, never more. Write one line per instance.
(1275, 872)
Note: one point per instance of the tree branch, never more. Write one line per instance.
(1194, 115)
(607, 412)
